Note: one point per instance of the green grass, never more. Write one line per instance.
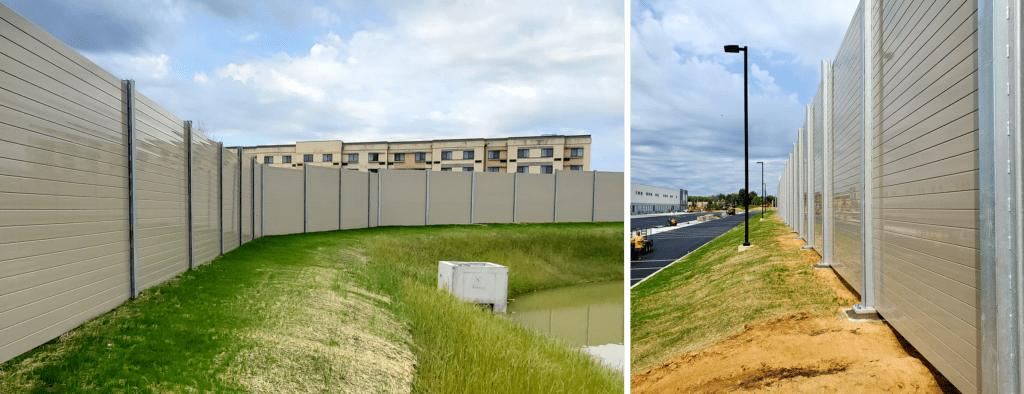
(344, 311)
(716, 290)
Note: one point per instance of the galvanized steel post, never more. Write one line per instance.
(472, 198)
(555, 214)
(515, 196)
(426, 210)
(867, 217)
(998, 101)
(240, 196)
(809, 199)
(133, 255)
(826, 161)
(220, 195)
(593, 207)
(188, 184)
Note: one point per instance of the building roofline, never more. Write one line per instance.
(426, 141)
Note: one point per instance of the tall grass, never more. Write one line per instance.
(343, 311)
(716, 290)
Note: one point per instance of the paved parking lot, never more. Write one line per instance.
(655, 221)
(671, 245)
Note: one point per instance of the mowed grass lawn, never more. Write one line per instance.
(716, 290)
(344, 311)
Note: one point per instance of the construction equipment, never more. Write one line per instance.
(672, 222)
(731, 211)
(640, 244)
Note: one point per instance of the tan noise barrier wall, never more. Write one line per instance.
(230, 196)
(495, 198)
(355, 200)
(322, 194)
(284, 201)
(103, 193)
(450, 197)
(925, 180)
(64, 233)
(403, 198)
(205, 199)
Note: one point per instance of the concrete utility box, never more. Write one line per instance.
(479, 282)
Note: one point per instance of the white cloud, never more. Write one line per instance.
(250, 37)
(687, 102)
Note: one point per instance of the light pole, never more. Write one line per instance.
(746, 151)
(762, 189)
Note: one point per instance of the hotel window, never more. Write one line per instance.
(547, 152)
(446, 168)
(421, 156)
(268, 159)
(467, 154)
(576, 152)
(353, 157)
(286, 159)
(373, 157)
(493, 169)
(576, 168)
(399, 156)
(524, 153)
(545, 169)
(467, 169)
(446, 155)
(522, 169)
(494, 154)
(307, 158)
(328, 158)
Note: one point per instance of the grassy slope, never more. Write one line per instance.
(219, 327)
(716, 290)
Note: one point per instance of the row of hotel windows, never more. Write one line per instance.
(422, 156)
(652, 194)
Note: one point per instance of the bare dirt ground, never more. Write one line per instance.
(800, 352)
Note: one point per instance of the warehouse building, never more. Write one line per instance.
(644, 199)
(532, 155)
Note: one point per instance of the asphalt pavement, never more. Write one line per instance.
(656, 221)
(669, 246)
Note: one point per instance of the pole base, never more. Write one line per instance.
(745, 247)
(860, 313)
(821, 266)
(806, 247)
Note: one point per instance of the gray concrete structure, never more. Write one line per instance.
(644, 199)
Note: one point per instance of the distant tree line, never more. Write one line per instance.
(732, 200)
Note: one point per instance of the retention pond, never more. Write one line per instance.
(589, 316)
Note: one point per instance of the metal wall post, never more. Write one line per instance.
(826, 161)
(220, 195)
(515, 196)
(241, 197)
(133, 249)
(380, 181)
(593, 207)
(809, 199)
(555, 214)
(867, 199)
(305, 199)
(188, 183)
(426, 210)
(997, 103)
(472, 198)
(801, 177)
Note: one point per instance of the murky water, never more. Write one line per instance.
(583, 315)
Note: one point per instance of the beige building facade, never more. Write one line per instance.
(532, 155)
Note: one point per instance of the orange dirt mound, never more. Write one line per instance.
(799, 352)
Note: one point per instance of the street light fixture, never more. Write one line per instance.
(762, 189)
(746, 150)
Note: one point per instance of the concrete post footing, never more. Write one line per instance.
(742, 248)
(821, 265)
(859, 313)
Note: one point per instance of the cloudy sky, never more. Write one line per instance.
(687, 94)
(270, 72)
